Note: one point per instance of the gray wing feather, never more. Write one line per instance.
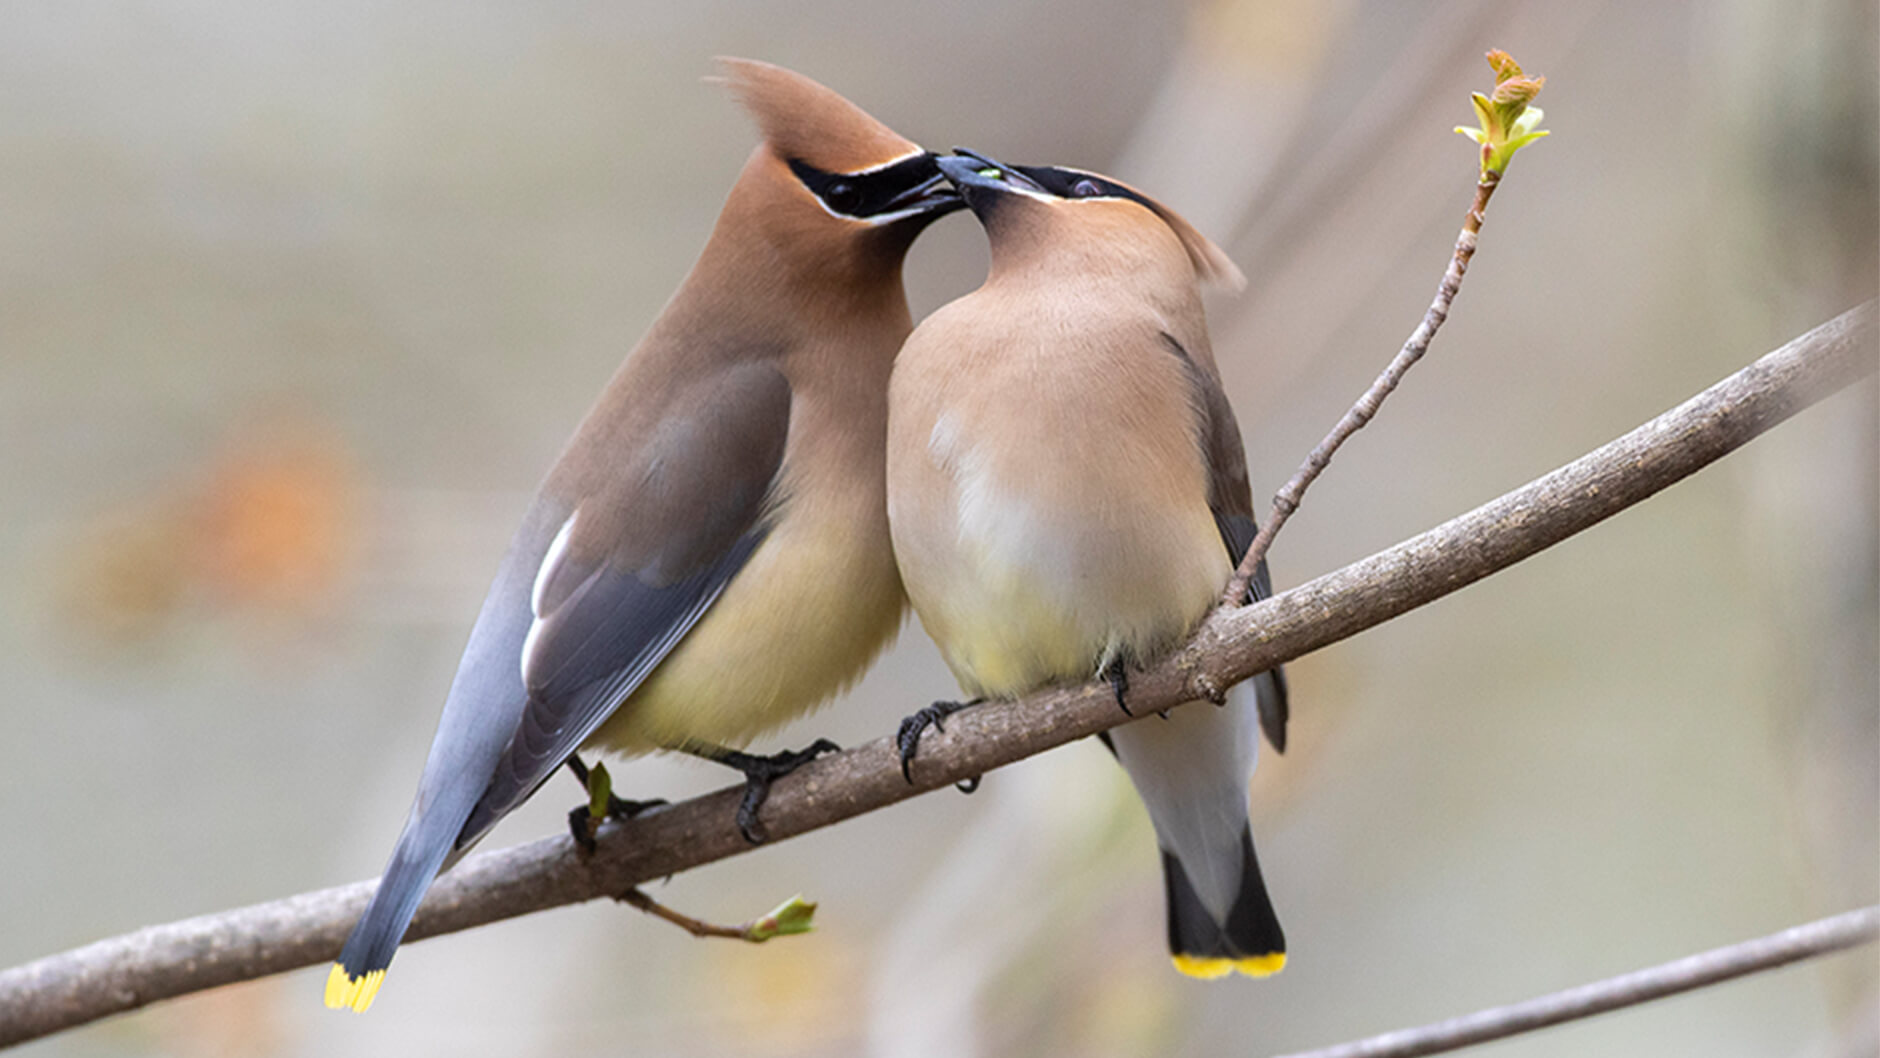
(484, 705)
(1230, 498)
(646, 555)
(615, 630)
(671, 494)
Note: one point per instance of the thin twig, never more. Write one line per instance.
(1287, 499)
(696, 927)
(123, 973)
(1821, 937)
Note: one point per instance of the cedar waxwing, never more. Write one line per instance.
(1068, 495)
(709, 558)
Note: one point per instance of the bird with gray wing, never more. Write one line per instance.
(709, 557)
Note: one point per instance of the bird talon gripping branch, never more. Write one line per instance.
(759, 773)
(1118, 676)
(907, 738)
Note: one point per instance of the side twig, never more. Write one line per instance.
(1508, 123)
(1821, 937)
(694, 926)
(127, 972)
(1287, 499)
(793, 916)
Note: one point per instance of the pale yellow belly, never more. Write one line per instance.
(798, 624)
(1009, 618)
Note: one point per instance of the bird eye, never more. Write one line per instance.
(842, 196)
(1085, 189)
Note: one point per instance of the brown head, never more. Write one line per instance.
(1069, 220)
(830, 189)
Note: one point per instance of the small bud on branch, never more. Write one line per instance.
(1508, 122)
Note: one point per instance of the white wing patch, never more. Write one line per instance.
(557, 549)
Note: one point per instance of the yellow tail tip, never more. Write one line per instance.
(1210, 968)
(344, 990)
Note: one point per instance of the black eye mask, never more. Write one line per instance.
(1075, 183)
(890, 189)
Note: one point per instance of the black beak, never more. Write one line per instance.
(977, 175)
(930, 195)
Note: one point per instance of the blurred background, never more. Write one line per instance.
(296, 303)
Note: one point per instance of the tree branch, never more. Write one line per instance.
(127, 972)
(1821, 937)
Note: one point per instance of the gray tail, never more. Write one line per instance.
(481, 716)
(354, 980)
(1191, 769)
(1249, 940)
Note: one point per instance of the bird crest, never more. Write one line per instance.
(803, 121)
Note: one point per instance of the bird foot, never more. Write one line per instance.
(908, 737)
(1118, 675)
(584, 821)
(759, 773)
(584, 825)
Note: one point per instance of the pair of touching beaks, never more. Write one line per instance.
(981, 183)
(975, 177)
(971, 172)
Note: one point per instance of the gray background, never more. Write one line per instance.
(296, 302)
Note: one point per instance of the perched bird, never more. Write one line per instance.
(709, 557)
(1068, 495)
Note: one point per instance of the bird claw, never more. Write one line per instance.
(1118, 675)
(621, 808)
(584, 821)
(759, 773)
(584, 825)
(907, 739)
